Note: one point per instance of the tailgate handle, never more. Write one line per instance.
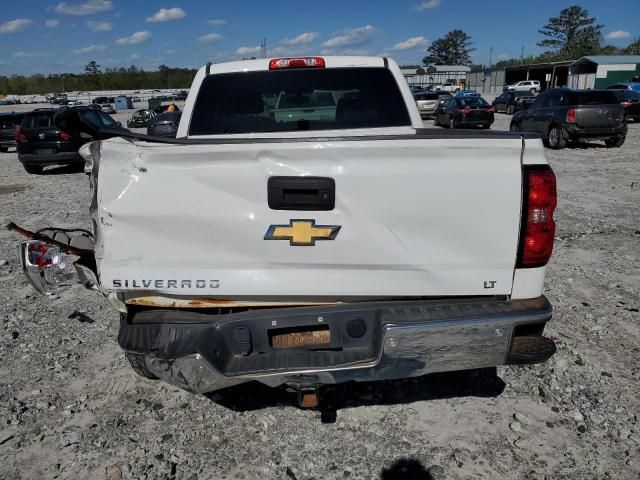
(301, 193)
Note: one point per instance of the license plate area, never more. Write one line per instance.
(45, 151)
(300, 337)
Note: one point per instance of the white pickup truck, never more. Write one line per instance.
(308, 250)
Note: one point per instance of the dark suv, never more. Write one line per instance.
(40, 143)
(8, 125)
(561, 115)
(510, 102)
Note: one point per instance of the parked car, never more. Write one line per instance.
(448, 87)
(444, 96)
(181, 95)
(562, 115)
(511, 102)
(467, 93)
(427, 103)
(625, 86)
(101, 100)
(107, 108)
(141, 118)
(630, 100)
(464, 112)
(167, 107)
(532, 86)
(40, 143)
(164, 125)
(9, 123)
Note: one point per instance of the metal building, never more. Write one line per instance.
(600, 71)
(424, 76)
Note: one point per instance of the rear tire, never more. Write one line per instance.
(33, 169)
(452, 123)
(555, 138)
(4, 149)
(615, 142)
(532, 91)
(514, 128)
(139, 366)
(510, 110)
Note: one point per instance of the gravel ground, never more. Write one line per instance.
(71, 408)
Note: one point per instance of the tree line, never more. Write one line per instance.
(570, 35)
(94, 78)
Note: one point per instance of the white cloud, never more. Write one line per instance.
(346, 51)
(52, 23)
(618, 34)
(88, 8)
(135, 56)
(351, 37)
(13, 26)
(99, 26)
(209, 38)
(306, 37)
(167, 15)
(27, 55)
(134, 39)
(90, 49)
(412, 43)
(249, 51)
(428, 4)
(216, 22)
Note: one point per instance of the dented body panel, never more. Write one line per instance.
(418, 217)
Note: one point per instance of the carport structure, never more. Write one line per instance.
(600, 71)
(550, 74)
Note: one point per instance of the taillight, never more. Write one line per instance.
(300, 62)
(65, 136)
(464, 111)
(571, 115)
(538, 227)
(490, 110)
(20, 137)
(626, 104)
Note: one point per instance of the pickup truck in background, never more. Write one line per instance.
(306, 251)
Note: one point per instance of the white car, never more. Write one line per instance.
(308, 250)
(532, 86)
(448, 87)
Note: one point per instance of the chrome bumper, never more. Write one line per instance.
(418, 343)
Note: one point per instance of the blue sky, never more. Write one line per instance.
(49, 36)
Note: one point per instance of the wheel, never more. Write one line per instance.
(435, 121)
(555, 139)
(456, 90)
(33, 169)
(533, 91)
(4, 149)
(514, 128)
(452, 123)
(510, 110)
(139, 366)
(615, 142)
(484, 127)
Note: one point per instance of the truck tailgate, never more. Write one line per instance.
(417, 217)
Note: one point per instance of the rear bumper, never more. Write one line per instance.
(202, 353)
(63, 158)
(575, 131)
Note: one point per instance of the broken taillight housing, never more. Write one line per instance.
(538, 226)
(46, 266)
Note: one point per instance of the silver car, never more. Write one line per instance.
(427, 103)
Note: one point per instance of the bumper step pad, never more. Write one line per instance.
(533, 349)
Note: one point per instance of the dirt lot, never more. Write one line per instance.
(70, 406)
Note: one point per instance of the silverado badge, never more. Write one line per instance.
(302, 233)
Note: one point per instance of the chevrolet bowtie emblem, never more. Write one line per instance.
(302, 233)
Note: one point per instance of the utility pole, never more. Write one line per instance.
(263, 48)
(491, 56)
(522, 55)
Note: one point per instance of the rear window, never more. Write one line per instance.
(592, 98)
(472, 101)
(38, 120)
(628, 95)
(293, 100)
(427, 96)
